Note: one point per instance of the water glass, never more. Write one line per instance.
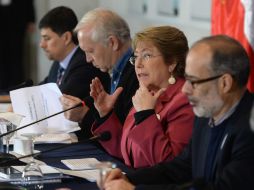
(7, 126)
(32, 176)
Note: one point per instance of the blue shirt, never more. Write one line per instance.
(64, 63)
(118, 69)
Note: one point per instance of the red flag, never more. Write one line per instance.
(235, 18)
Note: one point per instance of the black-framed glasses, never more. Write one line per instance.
(145, 57)
(193, 82)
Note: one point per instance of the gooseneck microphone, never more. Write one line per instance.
(104, 136)
(76, 106)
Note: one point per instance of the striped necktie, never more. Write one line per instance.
(60, 74)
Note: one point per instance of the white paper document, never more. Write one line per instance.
(53, 138)
(38, 102)
(81, 164)
(90, 175)
(83, 168)
(11, 117)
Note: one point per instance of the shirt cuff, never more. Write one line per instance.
(142, 115)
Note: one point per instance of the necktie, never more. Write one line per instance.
(60, 74)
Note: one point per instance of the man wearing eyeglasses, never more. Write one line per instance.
(220, 155)
(105, 38)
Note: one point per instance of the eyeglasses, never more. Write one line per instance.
(193, 82)
(144, 57)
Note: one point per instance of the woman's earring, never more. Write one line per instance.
(171, 79)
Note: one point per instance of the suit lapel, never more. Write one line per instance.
(72, 62)
(218, 156)
(203, 150)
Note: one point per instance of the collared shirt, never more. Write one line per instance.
(64, 64)
(118, 69)
(213, 123)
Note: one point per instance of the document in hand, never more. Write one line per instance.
(38, 102)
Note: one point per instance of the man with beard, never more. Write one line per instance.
(221, 153)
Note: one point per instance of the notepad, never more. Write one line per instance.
(90, 175)
(81, 164)
(53, 138)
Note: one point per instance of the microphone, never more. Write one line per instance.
(104, 136)
(26, 83)
(77, 105)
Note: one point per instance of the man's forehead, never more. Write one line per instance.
(198, 60)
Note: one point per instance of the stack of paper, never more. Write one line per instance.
(81, 164)
(38, 102)
(83, 168)
(53, 138)
(12, 117)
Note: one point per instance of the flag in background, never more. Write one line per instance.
(235, 18)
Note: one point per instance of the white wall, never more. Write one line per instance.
(194, 24)
(193, 18)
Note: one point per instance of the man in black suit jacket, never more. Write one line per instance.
(220, 155)
(105, 38)
(59, 44)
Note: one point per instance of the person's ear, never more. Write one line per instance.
(172, 67)
(67, 36)
(226, 83)
(113, 42)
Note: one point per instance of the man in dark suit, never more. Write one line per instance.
(105, 38)
(69, 70)
(16, 18)
(220, 155)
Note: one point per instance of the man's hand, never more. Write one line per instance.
(103, 102)
(119, 184)
(75, 114)
(115, 180)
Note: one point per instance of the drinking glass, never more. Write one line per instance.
(32, 175)
(104, 168)
(6, 126)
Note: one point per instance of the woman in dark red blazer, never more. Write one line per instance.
(160, 123)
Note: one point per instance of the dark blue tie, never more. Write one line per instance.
(60, 74)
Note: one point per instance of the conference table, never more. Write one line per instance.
(84, 150)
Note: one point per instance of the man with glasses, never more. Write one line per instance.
(221, 153)
(105, 38)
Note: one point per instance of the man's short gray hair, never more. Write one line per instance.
(105, 23)
(228, 56)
